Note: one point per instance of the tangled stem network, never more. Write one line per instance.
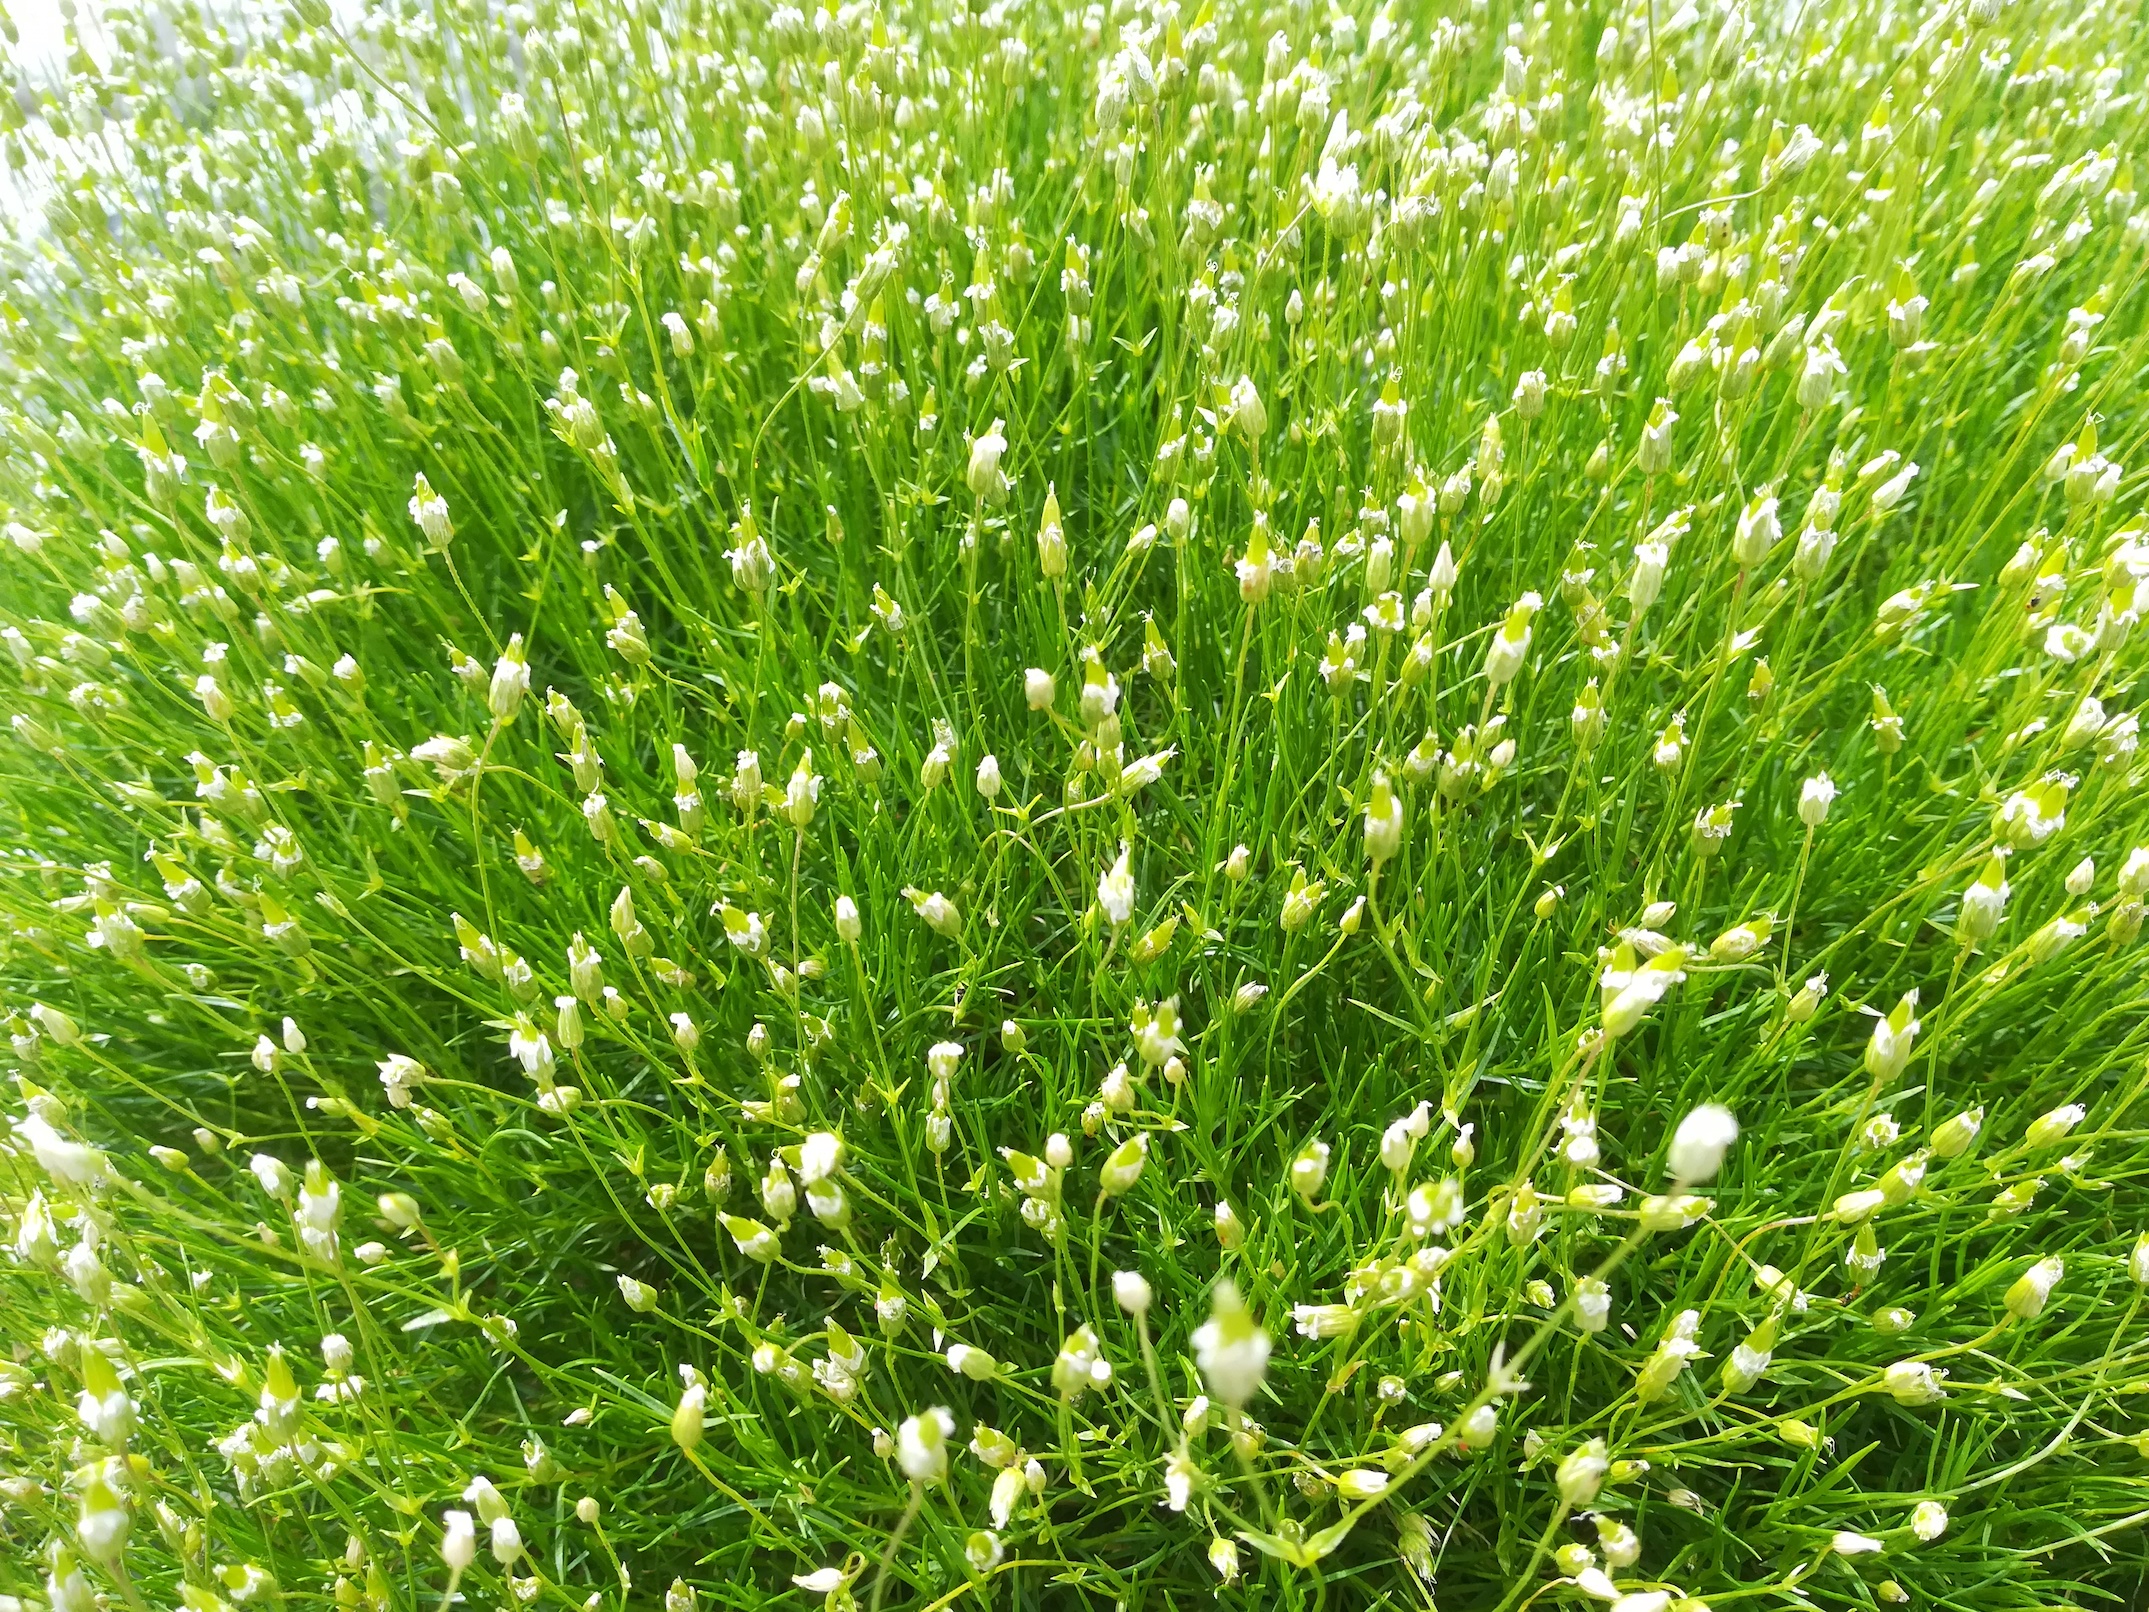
(1074, 806)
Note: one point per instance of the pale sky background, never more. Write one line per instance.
(38, 23)
(41, 41)
(41, 50)
(43, 34)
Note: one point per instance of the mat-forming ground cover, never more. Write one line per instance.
(1074, 807)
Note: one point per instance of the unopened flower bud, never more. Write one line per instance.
(687, 1418)
(1231, 1231)
(2049, 1130)
(1954, 1137)
(1124, 1167)
(1581, 1473)
(2026, 1297)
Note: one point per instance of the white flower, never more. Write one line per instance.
(1383, 821)
(1698, 1146)
(1007, 1490)
(1749, 1359)
(1224, 1557)
(754, 1240)
(1674, 1350)
(1913, 1382)
(1629, 992)
(687, 1418)
(458, 1542)
(1890, 492)
(1080, 1365)
(974, 1363)
(430, 512)
(2134, 875)
(1596, 1583)
(745, 930)
(63, 1032)
(1143, 771)
(273, 1174)
(1887, 1054)
(1444, 573)
(1324, 1320)
(1256, 568)
(1953, 1137)
(1928, 1520)
(103, 1522)
(1582, 1472)
(1231, 1348)
(1123, 1166)
(1817, 381)
(103, 1406)
(936, 912)
(510, 682)
(983, 1551)
(1361, 1484)
(1309, 1170)
(1984, 903)
(921, 1445)
(1757, 530)
(68, 1163)
(1180, 1477)
(802, 794)
(1673, 1211)
(1300, 902)
(1115, 889)
(1476, 1430)
(214, 701)
(752, 564)
(819, 1157)
(988, 483)
(1435, 1208)
(1510, 645)
(1400, 1141)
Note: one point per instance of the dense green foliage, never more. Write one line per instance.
(712, 703)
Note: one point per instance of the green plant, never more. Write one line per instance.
(941, 806)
